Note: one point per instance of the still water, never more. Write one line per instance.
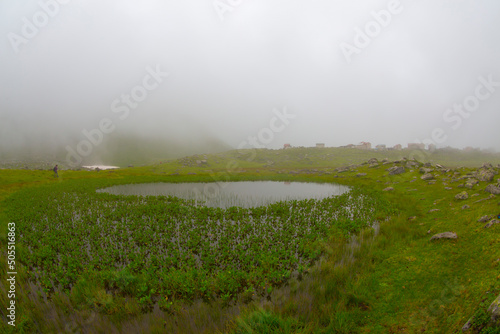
(226, 194)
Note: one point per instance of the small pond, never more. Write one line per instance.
(226, 194)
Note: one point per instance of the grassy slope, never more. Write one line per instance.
(399, 282)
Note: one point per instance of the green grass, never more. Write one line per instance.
(393, 281)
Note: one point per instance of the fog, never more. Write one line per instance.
(188, 73)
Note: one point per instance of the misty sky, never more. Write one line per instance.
(231, 63)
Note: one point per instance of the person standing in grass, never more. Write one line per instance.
(56, 168)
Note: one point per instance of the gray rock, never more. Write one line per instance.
(491, 223)
(434, 210)
(424, 170)
(494, 310)
(396, 170)
(372, 161)
(465, 207)
(484, 174)
(461, 196)
(373, 165)
(484, 219)
(389, 189)
(444, 235)
(467, 325)
(360, 174)
(448, 188)
(427, 176)
(492, 189)
(471, 183)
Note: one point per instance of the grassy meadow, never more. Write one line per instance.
(362, 262)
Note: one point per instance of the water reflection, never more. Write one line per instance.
(227, 194)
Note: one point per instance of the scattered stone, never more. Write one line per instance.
(412, 218)
(424, 170)
(467, 325)
(389, 189)
(471, 183)
(431, 182)
(485, 174)
(360, 174)
(448, 188)
(427, 176)
(493, 189)
(428, 165)
(491, 223)
(373, 161)
(396, 170)
(433, 210)
(465, 207)
(494, 310)
(439, 166)
(410, 164)
(444, 235)
(373, 165)
(475, 195)
(484, 219)
(461, 196)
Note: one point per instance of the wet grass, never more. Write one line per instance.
(390, 280)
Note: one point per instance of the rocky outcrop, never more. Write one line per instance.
(461, 196)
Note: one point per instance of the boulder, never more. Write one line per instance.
(493, 189)
(485, 174)
(427, 176)
(444, 235)
(396, 170)
(372, 161)
(461, 196)
(373, 165)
